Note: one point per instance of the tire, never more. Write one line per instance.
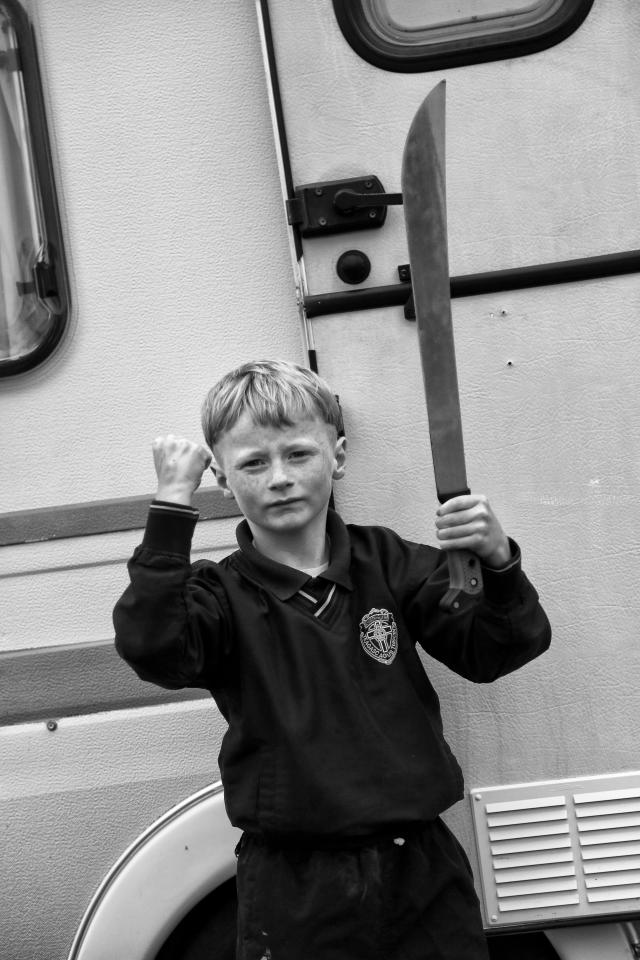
(524, 946)
(208, 932)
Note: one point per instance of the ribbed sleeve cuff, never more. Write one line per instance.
(170, 528)
(501, 586)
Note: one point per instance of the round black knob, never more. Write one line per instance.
(353, 266)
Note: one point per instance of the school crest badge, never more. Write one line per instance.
(379, 635)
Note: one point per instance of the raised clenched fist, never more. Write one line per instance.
(179, 465)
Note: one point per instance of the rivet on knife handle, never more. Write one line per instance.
(465, 581)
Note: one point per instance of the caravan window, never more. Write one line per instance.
(33, 297)
(420, 35)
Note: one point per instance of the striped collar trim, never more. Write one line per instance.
(284, 581)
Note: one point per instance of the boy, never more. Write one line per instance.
(334, 763)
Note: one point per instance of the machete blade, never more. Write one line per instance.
(425, 211)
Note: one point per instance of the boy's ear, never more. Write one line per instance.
(340, 457)
(221, 480)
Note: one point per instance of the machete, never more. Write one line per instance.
(425, 212)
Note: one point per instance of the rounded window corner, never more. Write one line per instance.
(455, 43)
(45, 349)
(34, 291)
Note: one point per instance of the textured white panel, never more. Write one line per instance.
(176, 235)
(541, 166)
(180, 268)
(52, 580)
(71, 801)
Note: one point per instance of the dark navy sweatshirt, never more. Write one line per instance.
(334, 728)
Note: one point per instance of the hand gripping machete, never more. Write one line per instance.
(425, 212)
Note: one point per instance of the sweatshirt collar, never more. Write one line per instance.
(284, 581)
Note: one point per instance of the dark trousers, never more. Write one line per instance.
(404, 897)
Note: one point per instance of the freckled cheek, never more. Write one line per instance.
(323, 480)
(246, 487)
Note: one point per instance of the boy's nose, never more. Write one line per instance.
(278, 477)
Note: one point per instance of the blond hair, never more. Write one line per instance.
(273, 392)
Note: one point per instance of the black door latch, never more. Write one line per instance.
(338, 206)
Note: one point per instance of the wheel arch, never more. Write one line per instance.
(169, 868)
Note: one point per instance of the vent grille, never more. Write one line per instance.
(559, 850)
(609, 838)
(531, 853)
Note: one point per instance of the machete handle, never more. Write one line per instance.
(465, 580)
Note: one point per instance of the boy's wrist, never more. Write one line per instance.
(500, 557)
(175, 493)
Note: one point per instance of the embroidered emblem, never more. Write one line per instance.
(379, 635)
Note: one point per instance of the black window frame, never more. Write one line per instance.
(423, 58)
(50, 279)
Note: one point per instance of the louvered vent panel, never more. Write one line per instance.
(559, 850)
(609, 838)
(531, 853)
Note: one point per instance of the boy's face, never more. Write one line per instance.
(280, 476)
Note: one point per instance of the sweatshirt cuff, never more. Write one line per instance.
(501, 585)
(170, 528)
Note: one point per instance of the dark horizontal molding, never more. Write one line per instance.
(474, 284)
(54, 682)
(99, 516)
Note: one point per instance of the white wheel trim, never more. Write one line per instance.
(178, 860)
